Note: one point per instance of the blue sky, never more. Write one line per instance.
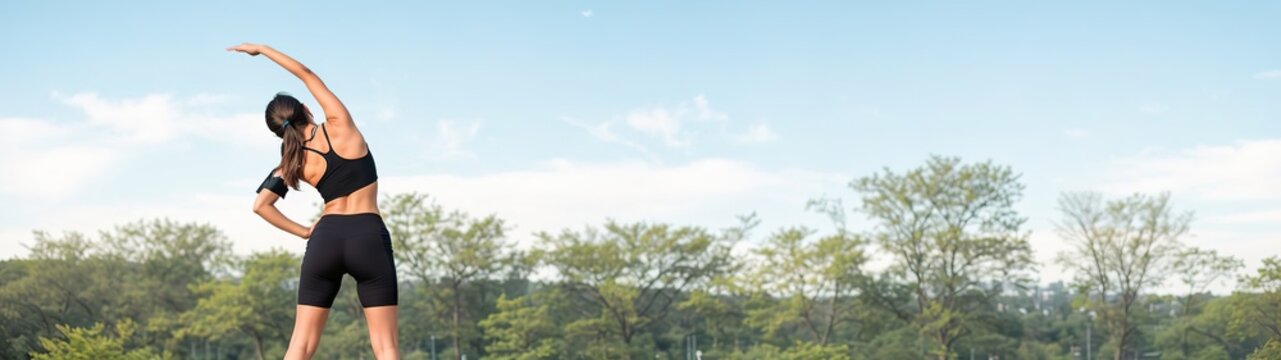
(556, 114)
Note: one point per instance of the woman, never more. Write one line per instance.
(350, 237)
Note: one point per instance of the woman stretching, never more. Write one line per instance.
(350, 237)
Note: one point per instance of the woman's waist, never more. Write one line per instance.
(358, 203)
(342, 210)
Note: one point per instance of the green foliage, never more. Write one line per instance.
(93, 344)
(1211, 353)
(139, 271)
(803, 350)
(954, 236)
(1197, 269)
(900, 344)
(523, 329)
(815, 351)
(1037, 351)
(812, 284)
(251, 307)
(1270, 351)
(453, 251)
(628, 275)
(1121, 248)
(954, 245)
(1260, 316)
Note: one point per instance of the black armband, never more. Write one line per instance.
(274, 183)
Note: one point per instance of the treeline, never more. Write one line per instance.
(958, 285)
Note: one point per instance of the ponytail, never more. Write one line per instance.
(292, 155)
(286, 117)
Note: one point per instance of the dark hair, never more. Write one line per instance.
(286, 117)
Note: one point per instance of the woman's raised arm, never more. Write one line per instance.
(335, 112)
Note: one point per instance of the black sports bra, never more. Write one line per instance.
(341, 178)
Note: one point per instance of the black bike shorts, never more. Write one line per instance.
(356, 244)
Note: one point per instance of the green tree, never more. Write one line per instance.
(57, 284)
(815, 283)
(138, 271)
(1270, 351)
(630, 275)
(1197, 269)
(162, 257)
(93, 344)
(257, 306)
(1120, 248)
(453, 248)
(523, 329)
(1261, 313)
(955, 240)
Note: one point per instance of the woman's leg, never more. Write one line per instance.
(382, 332)
(309, 325)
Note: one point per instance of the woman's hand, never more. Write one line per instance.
(306, 233)
(248, 48)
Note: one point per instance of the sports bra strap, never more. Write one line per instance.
(327, 142)
(313, 136)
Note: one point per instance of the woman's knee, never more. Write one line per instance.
(386, 352)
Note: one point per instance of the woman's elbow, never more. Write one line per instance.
(261, 209)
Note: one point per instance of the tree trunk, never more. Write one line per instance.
(258, 347)
(1120, 349)
(941, 337)
(458, 303)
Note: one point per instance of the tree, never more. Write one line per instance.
(257, 305)
(92, 344)
(161, 259)
(955, 240)
(1198, 269)
(454, 248)
(815, 283)
(523, 329)
(1120, 249)
(1270, 351)
(630, 275)
(139, 271)
(1262, 313)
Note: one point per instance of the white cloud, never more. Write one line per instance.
(1232, 188)
(1076, 133)
(660, 122)
(1246, 170)
(66, 155)
(244, 130)
(601, 131)
(156, 118)
(586, 13)
(152, 118)
(1269, 74)
(561, 193)
(757, 133)
(47, 160)
(28, 131)
(705, 111)
(1251, 246)
(451, 137)
(1247, 217)
(675, 126)
(1047, 245)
